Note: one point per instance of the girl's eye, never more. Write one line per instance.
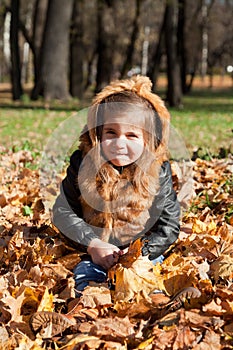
(132, 136)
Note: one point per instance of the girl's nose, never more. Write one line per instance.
(120, 142)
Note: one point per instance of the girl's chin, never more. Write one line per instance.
(120, 162)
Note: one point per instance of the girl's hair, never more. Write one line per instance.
(128, 101)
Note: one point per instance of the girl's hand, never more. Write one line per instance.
(103, 254)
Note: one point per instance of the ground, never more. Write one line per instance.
(36, 271)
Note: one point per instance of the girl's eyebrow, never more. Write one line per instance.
(106, 127)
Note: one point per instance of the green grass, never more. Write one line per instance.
(35, 126)
(205, 121)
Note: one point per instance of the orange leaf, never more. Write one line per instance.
(133, 280)
(132, 255)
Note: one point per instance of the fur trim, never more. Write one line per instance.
(119, 205)
(117, 208)
(141, 85)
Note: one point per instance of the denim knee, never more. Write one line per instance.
(159, 259)
(87, 271)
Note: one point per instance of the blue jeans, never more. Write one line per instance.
(86, 271)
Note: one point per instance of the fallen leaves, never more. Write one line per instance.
(130, 279)
(37, 286)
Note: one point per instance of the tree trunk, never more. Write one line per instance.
(53, 82)
(181, 44)
(105, 43)
(14, 47)
(174, 91)
(40, 12)
(131, 47)
(154, 65)
(76, 51)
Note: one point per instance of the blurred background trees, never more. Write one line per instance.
(63, 48)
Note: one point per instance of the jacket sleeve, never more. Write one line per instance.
(165, 215)
(67, 211)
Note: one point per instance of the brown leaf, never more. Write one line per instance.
(222, 268)
(3, 200)
(211, 341)
(118, 329)
(96, 296)
(229, 329)
(199, 320)
(50, 324)
(185, 339)
(4, 336)
(214, 308)
(138, 306)
(69, 261)
(132, 255)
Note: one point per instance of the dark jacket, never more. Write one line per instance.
(160, 232)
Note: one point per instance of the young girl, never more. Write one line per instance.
(119, 184)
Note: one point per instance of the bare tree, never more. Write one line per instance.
(154, 64)
(17, 90)
(76, 50)
(174, 92)
(105, 40)
(40, 12)
(181, 48)
(131, 46)
(53, 82)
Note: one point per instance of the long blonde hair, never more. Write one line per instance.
(143, 173)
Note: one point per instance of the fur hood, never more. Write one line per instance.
(141, 85)
(115, 202)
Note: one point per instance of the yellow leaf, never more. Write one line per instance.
(30, 302)
(202, 227)
(46, 303)
(133, 280)
(145, 343)
(222, 267)
(82, 339)
(175, 281)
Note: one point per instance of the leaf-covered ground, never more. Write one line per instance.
(36, 272)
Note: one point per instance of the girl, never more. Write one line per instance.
(119, 184)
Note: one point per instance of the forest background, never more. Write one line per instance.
(54, 56)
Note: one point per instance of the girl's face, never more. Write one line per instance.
(122, 143)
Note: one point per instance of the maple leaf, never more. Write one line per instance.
(36, 272)
(133, 274)
(222, 268)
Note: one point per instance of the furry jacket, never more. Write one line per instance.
(121, 209)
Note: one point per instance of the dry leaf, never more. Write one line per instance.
(115, 328)
(211, 341)
(222, 268)
(36, 267)
(96, 296)
(131, 281)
